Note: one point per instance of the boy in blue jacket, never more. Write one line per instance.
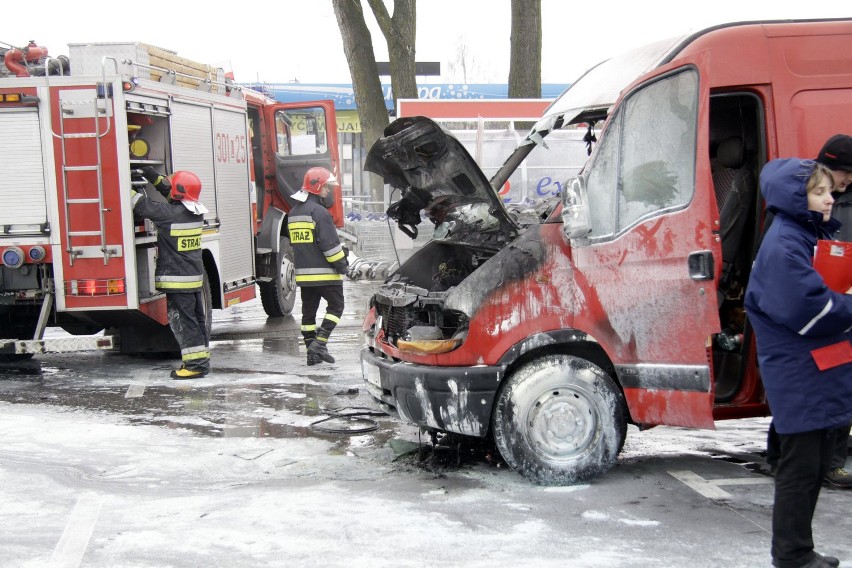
(804, 349)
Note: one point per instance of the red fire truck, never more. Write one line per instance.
(72, 143)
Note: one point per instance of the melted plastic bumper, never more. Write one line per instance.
(450, 399)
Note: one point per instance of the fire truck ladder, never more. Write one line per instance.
(67, 110)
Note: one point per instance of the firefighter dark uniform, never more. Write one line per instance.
(180, 270)
(320, 262)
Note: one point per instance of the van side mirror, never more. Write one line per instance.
(576, 221)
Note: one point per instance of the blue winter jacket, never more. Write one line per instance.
(793, 312)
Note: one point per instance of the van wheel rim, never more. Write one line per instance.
(562, 424)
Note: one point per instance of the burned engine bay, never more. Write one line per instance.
(434, 293)
(439, 182)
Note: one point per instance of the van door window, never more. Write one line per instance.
(646, 162)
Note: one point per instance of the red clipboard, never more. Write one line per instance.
(833, 260)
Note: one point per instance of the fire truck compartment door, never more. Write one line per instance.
(651, 211)
(211, 142)
(22, 184)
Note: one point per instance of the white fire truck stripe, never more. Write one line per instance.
(75, 538)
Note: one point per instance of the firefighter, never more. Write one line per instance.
(320, 261)
(180, 270)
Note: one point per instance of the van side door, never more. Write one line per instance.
(647, 265)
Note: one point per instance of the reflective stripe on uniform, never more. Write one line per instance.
(301, 219)
(185, 232)
(319, 278)
(331, 317)
(164, 281)
(178, 285)
(335, 257)
(195, 353)
(186, 229)
(308, 327)
(192, 225)
(333, 251)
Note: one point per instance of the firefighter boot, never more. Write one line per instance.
(313, 359)
(319, 350)
(183, 373)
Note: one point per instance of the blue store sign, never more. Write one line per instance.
(344, 97)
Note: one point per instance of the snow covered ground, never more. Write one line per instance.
(105, 462)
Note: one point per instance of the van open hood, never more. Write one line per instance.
(434, 172)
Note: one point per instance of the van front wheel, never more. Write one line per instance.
(559, 420)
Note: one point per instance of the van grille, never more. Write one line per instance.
(396, 321)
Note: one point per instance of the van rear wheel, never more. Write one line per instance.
(559, 420)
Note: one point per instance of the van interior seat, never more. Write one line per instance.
(735, 188)
(730, 158)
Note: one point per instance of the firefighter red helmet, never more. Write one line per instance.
(317, 177)
(185, 186)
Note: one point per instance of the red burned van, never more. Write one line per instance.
(620, 301)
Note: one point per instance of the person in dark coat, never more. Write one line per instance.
(836, 155)
(180, 269)
(320, 261)
(803, 331)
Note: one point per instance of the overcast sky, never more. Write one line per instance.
(286, 40)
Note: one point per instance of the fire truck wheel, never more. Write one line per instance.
(207, 293)
(279, 294)
(559, 420)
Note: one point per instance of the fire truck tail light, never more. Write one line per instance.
(13, 257)
(96, 287)
(18, 98)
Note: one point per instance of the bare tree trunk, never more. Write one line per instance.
(400, 32)
(358, 47)
(525, 58)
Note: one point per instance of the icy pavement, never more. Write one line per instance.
(105, 462)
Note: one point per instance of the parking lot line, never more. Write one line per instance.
(710, 487)
(137, 390)
(72, 544)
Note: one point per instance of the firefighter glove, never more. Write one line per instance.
(150, 174)
(158, 180)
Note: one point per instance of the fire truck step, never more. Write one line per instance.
(84, 200)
